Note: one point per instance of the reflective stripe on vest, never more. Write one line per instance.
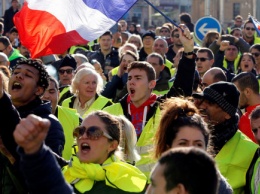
(234, 160)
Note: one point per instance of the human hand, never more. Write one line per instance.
(230, 38)
(31, 132)
(186, 38)
(224, 45)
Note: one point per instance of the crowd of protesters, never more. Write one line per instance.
(135, 111)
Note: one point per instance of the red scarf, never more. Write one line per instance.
(138, 118)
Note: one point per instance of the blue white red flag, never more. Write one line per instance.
(52, 26)
(256, 24)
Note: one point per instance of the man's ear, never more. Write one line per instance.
(179, 189)
(39, 91)
(152, 84)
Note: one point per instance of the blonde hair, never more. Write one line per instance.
(128, 140)
(80, 74)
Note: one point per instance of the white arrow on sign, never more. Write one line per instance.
(204, 30)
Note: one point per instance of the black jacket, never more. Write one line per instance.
(112, 59)
(9, 118)
(8, 19)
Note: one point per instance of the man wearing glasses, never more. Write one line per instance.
(249, 33)
(204, 60)
(13, 54)
(66, 71)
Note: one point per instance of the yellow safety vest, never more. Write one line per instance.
(64, 90)
(234, 159)
(69, 119)
(144, 143)
(225, 65)
(73, 49)
(98, 104)
(115, 173)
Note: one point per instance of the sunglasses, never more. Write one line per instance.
(248, 28)
(68, 71)
(93, 132)
(176, 36)
(202, 59)
(255, 54)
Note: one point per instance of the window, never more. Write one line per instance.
(236, 9)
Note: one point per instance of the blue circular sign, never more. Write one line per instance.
(205, 24)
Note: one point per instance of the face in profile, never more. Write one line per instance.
(158, 182)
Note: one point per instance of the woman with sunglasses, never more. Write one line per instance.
(86, 86)
(182, 126)
(95, 167)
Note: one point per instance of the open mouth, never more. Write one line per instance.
(85, 147)
(246, 66)
(132, 91)
(16, 85)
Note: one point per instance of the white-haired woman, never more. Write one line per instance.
(86, 87)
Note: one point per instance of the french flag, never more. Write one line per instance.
(52, 26)
(256, 24)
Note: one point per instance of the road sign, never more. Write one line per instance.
(205, 24)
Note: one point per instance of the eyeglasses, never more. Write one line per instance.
(248, 28)
(93, 132)
(3, 49)
(255, 54)
(68, 71)
(202, 59)
(176, 36)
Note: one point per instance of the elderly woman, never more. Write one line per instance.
(86, 87)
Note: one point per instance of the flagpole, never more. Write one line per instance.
(170, 20)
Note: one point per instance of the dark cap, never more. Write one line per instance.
(149, 33)
(68, 60)
(224, 94)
